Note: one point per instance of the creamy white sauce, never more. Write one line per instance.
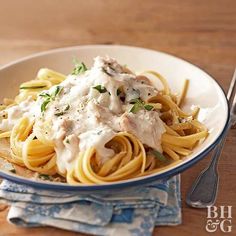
(93, 118)
(11, 115)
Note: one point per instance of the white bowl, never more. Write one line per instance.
(203, 91)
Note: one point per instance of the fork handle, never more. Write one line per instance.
(204, 190)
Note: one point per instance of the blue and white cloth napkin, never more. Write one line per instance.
(133, 212)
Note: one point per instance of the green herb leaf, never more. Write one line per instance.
(80, 68)
(49, 98)
(45, 177)
(44, 105)
(45, 95)
(135, 108)
(33, 87)
(139, 104)
(136, 100)
(100, 88)
(159, 155)
(148, 107)
(56, 92)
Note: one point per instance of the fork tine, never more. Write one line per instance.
(231, 87)
(233, 104)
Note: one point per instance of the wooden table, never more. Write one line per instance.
(203, 32)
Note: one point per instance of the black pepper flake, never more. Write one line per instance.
(149, 94)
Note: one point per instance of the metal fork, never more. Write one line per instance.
(203, 192)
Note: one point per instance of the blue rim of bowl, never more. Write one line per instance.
(117, 185)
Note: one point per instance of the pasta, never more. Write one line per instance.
(98, 125)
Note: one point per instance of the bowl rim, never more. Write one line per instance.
(119, 184)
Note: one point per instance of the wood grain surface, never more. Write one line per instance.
(202, 32)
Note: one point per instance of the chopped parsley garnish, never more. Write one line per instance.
(45, 95)
(148, 107)
(79, 68)
(138, 105)
(49, 97)
(159, 156)
(67, 141)
(56, 92)
(136, 100)
(100, 88)
(135, 108)
(44, 104)
(45, 177)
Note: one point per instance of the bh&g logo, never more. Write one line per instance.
(219, 218)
